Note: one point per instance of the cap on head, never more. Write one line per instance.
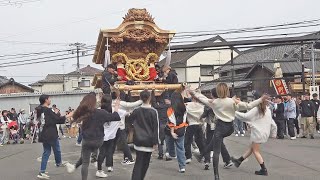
(314, 95)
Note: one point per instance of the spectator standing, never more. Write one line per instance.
(316, 102)
(290, 115)
(48, 133)
(278, 116)
(307, 116)
(23, 120)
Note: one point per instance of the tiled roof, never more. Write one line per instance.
(59, 78)
(182, 57)
(87, 71)
(3, 79)
(281, 53)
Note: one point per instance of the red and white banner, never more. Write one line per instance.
(280, 86)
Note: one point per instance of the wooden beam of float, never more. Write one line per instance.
(150, 86)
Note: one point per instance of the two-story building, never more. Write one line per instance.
(199, 65)
(67, 82)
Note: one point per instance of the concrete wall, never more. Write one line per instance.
(25, 101)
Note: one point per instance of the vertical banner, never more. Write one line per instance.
(280, 86)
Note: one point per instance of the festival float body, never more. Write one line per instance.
(134, 47)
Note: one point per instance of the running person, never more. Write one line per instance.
(224, 108)
(261, 124)
(92, 130)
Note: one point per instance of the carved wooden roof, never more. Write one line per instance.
(137, 36)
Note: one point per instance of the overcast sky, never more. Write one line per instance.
(69, 21)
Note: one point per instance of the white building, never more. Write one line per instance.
(67, 82)
(194, 65)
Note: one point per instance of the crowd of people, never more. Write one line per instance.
(172, 123)
(16, 127)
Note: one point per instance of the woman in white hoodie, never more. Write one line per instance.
(261, 123)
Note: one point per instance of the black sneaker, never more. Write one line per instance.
(311, 137)
(206, 166)
(262, 172)
(228, 165)
(303, 137)
(236, 162)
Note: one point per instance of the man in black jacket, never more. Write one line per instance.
(162, 108)
(316, 102)
(278, 116)
(48, 133)
(109, 77)
(146, 135)
(307, 117)
(170, 76)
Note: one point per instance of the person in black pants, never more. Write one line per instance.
(162, 108)
(92, 130)
(290, 115)
(146, 135)
(316, 102)
(298, 112)
(224, 108)
(278, 116)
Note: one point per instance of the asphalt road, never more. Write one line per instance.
(285, 160)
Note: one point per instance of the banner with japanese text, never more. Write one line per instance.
(280, 86)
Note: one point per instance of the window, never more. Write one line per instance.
(84, 83)
(206, 70)
(223, 74)
(75, 83)
(242, 71)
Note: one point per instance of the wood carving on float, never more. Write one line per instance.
(134, 47)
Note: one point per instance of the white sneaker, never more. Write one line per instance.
(110, 169)
(237, 135)
(64, 136)
(70, 168)
(293, 138)
(182, 170)
(79, 145)
(242, 135)
(43, 176)
(298, 136)
(188, 161)
(101, 174)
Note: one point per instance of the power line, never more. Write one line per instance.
(242, 31)
(21, 55)
(38, 62)
(17, 3)
(33, 43)
(250, 37)
(258, 27)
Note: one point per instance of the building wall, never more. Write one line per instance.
(70, 84)
(213, 57)
(262, 86)
(25, 101)
(50, 87)
(8, 89)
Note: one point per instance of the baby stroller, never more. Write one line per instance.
(14, 132)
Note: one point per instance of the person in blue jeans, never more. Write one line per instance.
(177, 123)
(79, 139)
(48, 133)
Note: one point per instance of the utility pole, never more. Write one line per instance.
(78, 48)
(232, 73)
(313, 65)
(302, 67)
